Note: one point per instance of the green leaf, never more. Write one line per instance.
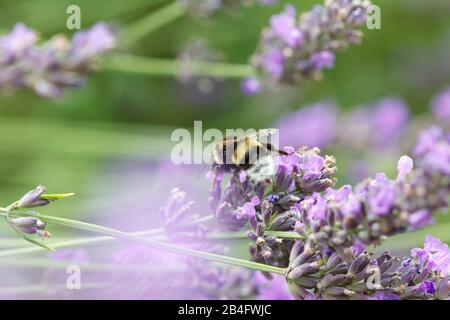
(56, 196)
(38, 243)
(28, 238)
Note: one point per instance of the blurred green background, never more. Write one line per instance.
(65, 144)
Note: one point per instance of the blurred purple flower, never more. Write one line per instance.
(273, 63)
(313, 126)
(251, 86)
(435, 149)
(440, 105)
(389, 118)
(91, 43)
(382, 195)
(435, 256)
(49, 68)
(283, 25)
(293, 49)
(322, 59)
(16, 43)
(404, 166)
(247, 211)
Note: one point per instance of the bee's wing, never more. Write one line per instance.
(265, 132)
(263, 168)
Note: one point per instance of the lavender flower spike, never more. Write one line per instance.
(381, 207)
(292, 49)
(313, 273)
(49, 68)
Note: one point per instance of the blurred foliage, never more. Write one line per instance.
(63, 143)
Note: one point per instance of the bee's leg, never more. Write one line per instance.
(271, 148)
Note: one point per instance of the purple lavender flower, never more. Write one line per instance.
(314, 126)
(274, 289)
(92, 43)
(314, 274)
(389, 119)
(404, 167)
(251, 86)
(295, 49)
(283, 25)
(440, 105)
(379, 126)
(384, 206)
(434, 148)
(15, 44)
(179, 219)
(247, 211)
(269, 204)
(435, 256)
(322, 59)
(273, 63)
(381, 195)
(170, 276)
(49, 68)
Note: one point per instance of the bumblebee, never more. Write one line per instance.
(243, 152)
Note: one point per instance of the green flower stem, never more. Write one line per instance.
(89, 240)
(23, 250)
(124, 63)
(153, 243)
(40, 288)
(153, 21)
(57, 264)
(242, 235)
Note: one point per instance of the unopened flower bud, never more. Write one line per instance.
(288, 201)
(33, 198)
(359, 264)
(296, 249)
(333, 261)
(30, 225)
(304, 270)
(330, 280)
(339, 292)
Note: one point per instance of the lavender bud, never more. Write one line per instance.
(33, 198)
(303, 270)
(30, 225)
(302, 258)
(443, 288)
(288, 201)
(266, 209)
(409, 275)
(333, 261)
(282, 221)
(358, 264)
(297, 291)
(252, 235)
(330, 280)
(338, 292)
(297, 248)
(307, 282)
